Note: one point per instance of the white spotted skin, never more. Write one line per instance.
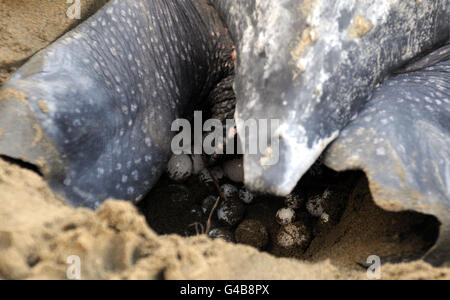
(402, 138)
(402, 142)
(114, 85)
(299, 62)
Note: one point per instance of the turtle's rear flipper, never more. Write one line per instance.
(91, 110)
(73, 115)
(402, 142)
(94, 110)
(22, 137)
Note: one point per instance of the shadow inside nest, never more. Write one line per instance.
(355, 227)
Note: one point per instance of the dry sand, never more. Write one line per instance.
(38, 231)
(27, 26)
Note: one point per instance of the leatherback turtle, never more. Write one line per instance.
(313, 64)
(93, 111)
(401, 140)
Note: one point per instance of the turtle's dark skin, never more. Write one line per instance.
(402, 141)
(427, 60)
(313, 65)
(316, 74)
(94, 110)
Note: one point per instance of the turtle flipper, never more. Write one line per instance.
(75, 123)
(22, 137)
(313, 65)
(402, 141)
(94, 110)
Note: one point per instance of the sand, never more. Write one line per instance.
(39, 232)
(27, 26)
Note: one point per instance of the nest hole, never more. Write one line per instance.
(357, 227)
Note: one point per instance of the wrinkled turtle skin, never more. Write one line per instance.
(317, 72)
(94, 110)
(313, 64)
(401, 140)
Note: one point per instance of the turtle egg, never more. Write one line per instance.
(246, 196)
(231, 212)
(217, 172)
(285, 216)
(293, 201)
(325, 218)
(205, 176)
(221, 233)
(208, 204)
(179, 167)
(315, 204)
(234, 170)
(294, 235)
(252, 233)
(230, 191)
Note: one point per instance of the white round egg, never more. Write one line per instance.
(285, 216)
(179, 167)
(293, 235)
